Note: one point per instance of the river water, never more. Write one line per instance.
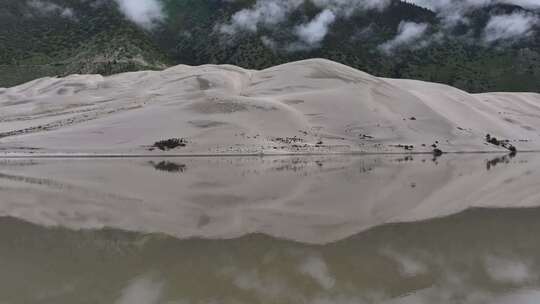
(332, 229)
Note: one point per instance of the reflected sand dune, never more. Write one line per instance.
(480, 256)
(316, 200)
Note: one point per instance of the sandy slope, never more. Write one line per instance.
(287, 108)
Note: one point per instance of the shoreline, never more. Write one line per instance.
(232, 155)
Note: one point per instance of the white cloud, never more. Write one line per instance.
(509, 27)
(531, 4)
(268, 13)
(269, 42)
(408, 32)
(264, 12)
(347, 7)
(314, 32)
(47, 8)
(441, 5)
(453, 12)
(272, 12)
(145, 13)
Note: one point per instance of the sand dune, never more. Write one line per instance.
(307, 106)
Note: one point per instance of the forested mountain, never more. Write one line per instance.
(37, 41)
(59, 37)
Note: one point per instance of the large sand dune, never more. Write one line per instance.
(312, 106)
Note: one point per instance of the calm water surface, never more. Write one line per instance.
(347, 229)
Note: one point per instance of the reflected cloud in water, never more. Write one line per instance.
(142, 290)
(471, 258)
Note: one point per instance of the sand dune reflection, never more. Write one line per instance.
(307, 199)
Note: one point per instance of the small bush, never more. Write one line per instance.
(170, 144)
(169, 167)
(494, 141)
